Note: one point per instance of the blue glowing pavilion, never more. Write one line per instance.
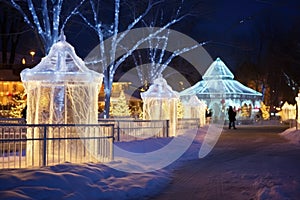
(219, 90)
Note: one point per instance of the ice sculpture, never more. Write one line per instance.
(160, 103)
(60, 90)
(219, 90)
(265, 111)
(288, 112)
(195, 108)
(297, 98)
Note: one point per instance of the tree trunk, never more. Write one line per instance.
(107, 104)
(107, 90)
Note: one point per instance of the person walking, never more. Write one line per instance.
(231, 116)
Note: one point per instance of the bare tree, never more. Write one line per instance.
(48, 18)
(109, 59)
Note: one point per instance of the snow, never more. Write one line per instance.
(292, 134)
(99, 181)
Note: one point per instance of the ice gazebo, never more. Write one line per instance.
(60, 90)
(195, 108)
(219, 90)
(160, 103)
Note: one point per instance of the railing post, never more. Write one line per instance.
(167, 128)
(45, 146)
(112, 143)
(118, 131)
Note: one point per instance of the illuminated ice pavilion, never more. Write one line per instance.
(160, 103)
(60, 90)
(219, 90)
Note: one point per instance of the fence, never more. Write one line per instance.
(185, 124)
(128, 130)
(12, 120)
(28, 145)
(50, 144)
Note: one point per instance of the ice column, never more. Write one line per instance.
(60, 90)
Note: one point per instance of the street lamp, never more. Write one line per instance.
(23, 61)
(32, 53)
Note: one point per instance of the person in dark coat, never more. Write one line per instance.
(24, 113)
(231, 116)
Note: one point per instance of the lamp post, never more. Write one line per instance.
(32, 53)
(23, 61)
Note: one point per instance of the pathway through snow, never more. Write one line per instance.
(252, 162)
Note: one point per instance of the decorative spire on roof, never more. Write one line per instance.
(218, 70)
(62, 36)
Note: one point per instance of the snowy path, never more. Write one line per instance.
(247, 163)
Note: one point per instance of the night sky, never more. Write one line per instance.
(251, 37)
(237, 30)
(247, 30)
(262, 33)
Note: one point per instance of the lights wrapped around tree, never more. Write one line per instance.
(265, 111)
(121, 109)
(180, 110)
(19, 105)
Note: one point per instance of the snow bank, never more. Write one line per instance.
(292, 135)
(99, 181)
(276, 187)
(94, 180)
(70, 181)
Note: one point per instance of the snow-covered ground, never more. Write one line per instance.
(98, 181)
(292, 134)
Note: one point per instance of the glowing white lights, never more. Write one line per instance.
(60, 90)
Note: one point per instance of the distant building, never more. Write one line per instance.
(219, 90)
(11, 87)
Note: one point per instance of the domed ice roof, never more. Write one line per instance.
(218, 70)
(61, 64)
(160, 89)
(218, 79)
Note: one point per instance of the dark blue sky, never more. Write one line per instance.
(237, 30)
(257, 39)
(259, 35)
(234, 28)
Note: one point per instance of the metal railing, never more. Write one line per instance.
(49, 144)
(34, 145)
(184, 124)
(128, 130)
(12, 120)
